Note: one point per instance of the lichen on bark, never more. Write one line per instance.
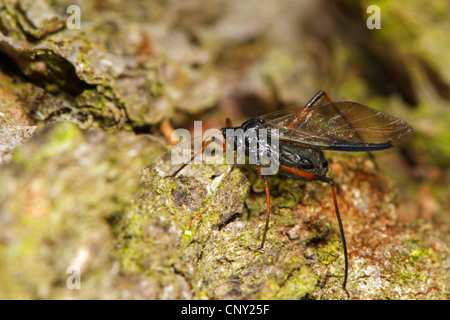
(82, 181)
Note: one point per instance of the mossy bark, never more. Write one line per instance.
(83, 171)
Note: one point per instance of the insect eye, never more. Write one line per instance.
(306, 164)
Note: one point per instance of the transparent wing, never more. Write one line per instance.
(341, 125)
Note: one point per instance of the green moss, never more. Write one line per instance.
(417, 251)
(327, 253)
(61, 142)
(58, 193)
(298, 285)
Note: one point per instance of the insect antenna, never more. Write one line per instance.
(210, 138)
(206, 143)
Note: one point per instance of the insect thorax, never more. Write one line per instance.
(249, 140)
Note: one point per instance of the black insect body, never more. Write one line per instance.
(300, 158)
(301, 135)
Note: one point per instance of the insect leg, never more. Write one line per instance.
(312, 176)
(266, 185)
(341, 230)
(319, 95)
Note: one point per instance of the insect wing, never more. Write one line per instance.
(341, 125)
